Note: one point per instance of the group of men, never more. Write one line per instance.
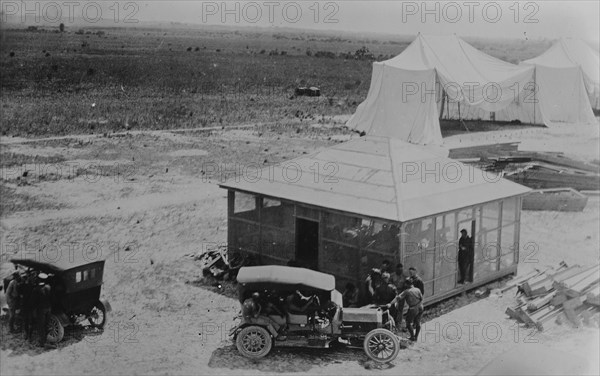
(394, 290)
(30, 297)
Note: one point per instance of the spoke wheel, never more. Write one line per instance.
(381, 345)
(97, 316)
(254, 342)
(55, 330)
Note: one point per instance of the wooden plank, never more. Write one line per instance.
(559, 299)
(538, 303)
(561, 160)
(593, 297)
(512, 314)
(537, 179)
(573, 303)
(557, 199)
(522, 279)
(580, 280)
(524, 317)
(542, 286)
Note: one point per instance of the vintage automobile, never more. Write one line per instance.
(76, 283)
(270, 319)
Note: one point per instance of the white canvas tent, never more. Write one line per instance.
(567, 55)
(445, 75)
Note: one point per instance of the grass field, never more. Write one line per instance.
(103, 80)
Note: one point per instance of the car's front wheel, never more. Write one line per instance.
(381, 345)
(55, 330)
(254, 342)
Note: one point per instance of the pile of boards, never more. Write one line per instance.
(217, 262)
(565, 293)
(537, 170)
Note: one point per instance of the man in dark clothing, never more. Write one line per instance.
(379, 287)
(416, 280)
(465, 257)
(398, 278)
(388, 292)
(28, 307)
(414, 298)
(385, 267)
(42, 296)
(350, 296)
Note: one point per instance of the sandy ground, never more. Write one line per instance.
(165, 204)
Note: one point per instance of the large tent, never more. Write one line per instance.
(567, 55)
(443, 76)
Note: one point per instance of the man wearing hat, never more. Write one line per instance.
(465, 257)
(13, 300)
(414, 299)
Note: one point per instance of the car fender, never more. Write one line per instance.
(106, 304)
(63, 318)
(244, 324)
(236, 328)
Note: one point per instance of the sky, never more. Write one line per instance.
(491, 19)
(511, 19)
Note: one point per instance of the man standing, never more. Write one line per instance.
(29, 304)
(13, 300)
(465, 257)
(414, 298)
(398, 278)
(42, 295)
(416, 280)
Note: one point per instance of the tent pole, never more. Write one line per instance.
(534, 90)
(461, 120)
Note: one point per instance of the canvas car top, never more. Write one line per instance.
(58, 264)
(286, 275)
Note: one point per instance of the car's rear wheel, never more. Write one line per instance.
(254, 342)
(97, 317)
(381, 345)
(55, 330)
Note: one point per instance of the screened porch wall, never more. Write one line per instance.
(430, 245)
(349, 245)
(261, 226)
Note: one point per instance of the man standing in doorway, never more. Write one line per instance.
(465, 257)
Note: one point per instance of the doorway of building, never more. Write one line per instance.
(466, 260)
(307, 243)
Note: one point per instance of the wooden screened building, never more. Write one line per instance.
(345, 209)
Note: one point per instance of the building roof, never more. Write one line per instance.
(379, 177)
(286, 275)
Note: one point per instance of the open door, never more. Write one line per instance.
(307, 243)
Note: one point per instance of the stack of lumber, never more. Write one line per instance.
(557, 199)
(537, 170)
(568, 293)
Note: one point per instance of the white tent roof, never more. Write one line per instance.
(405, 96)
(379, 177)
(569, 53)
